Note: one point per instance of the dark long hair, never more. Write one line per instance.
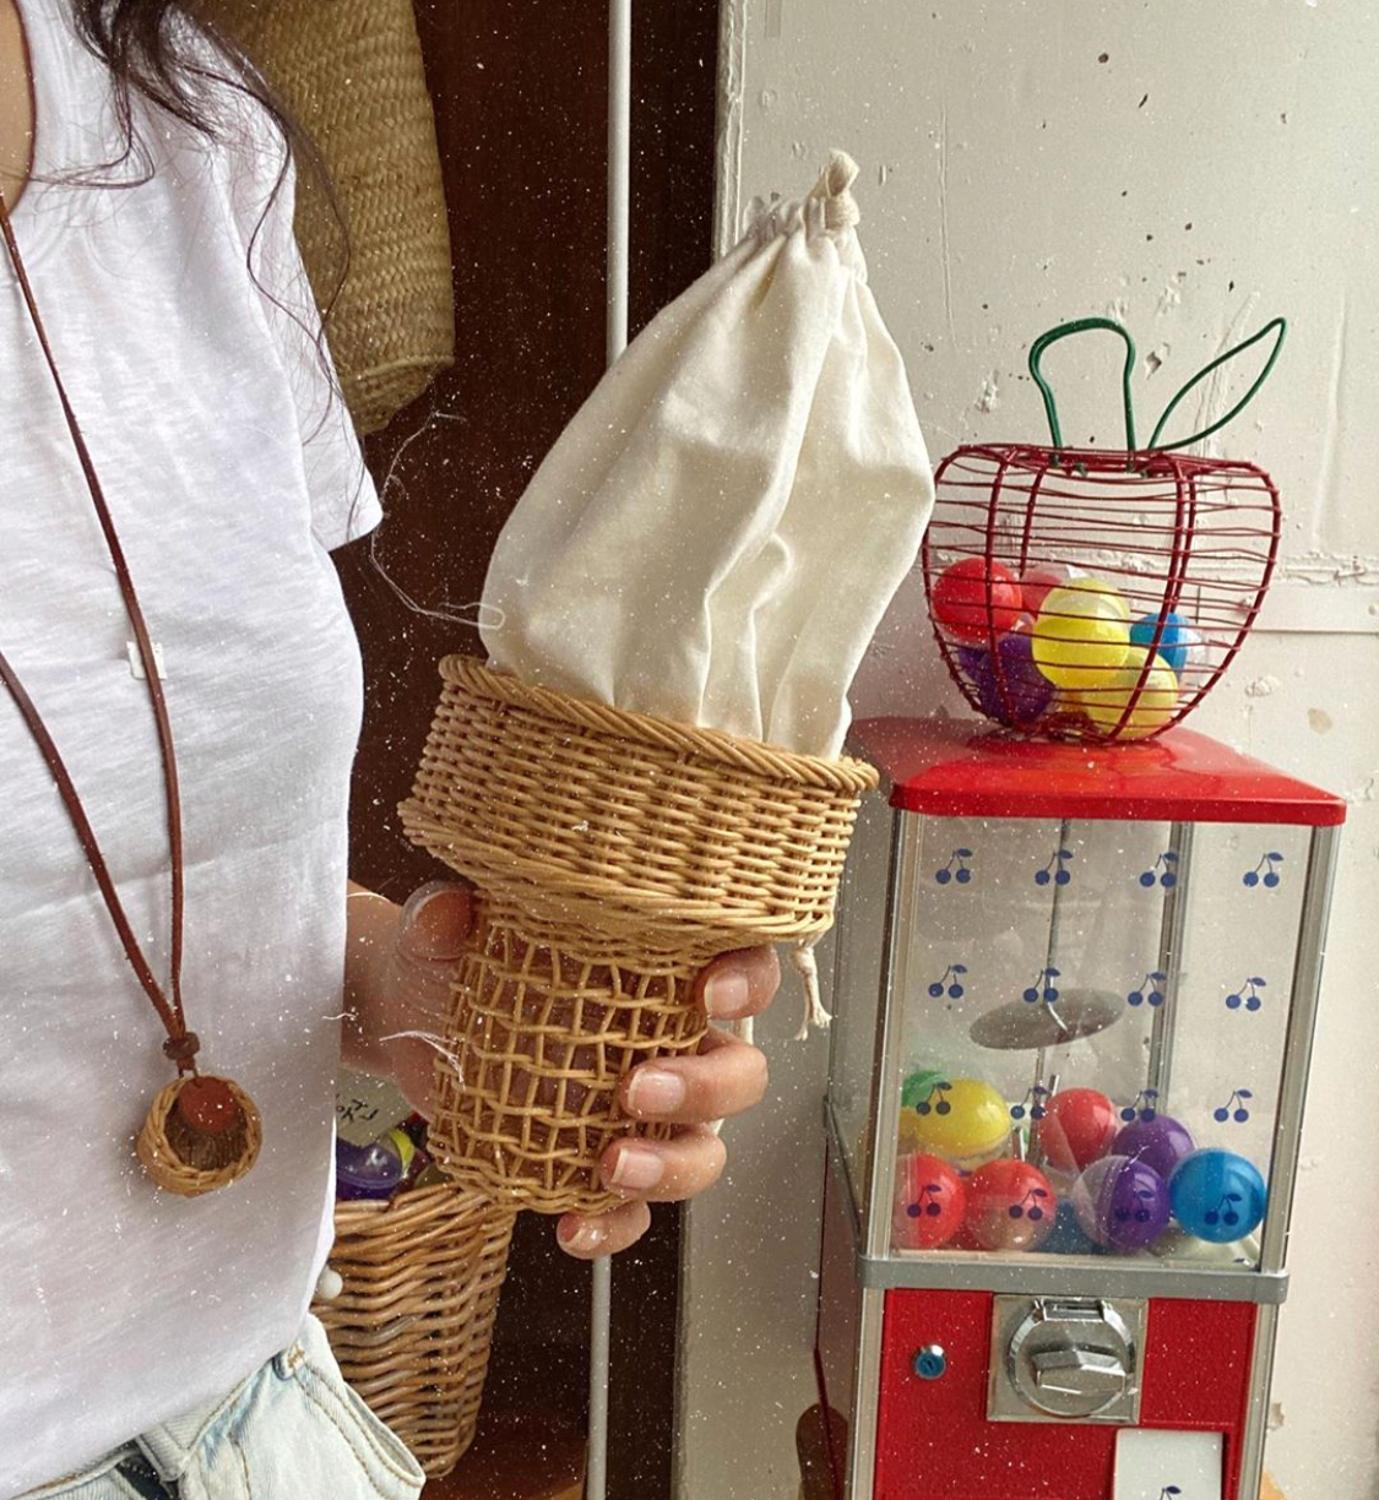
(168, 51)
(151, 48)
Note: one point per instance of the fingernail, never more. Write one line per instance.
(584, 1239)
(727, 993)
(655, 1091)
(433, 915)
(636, 1168)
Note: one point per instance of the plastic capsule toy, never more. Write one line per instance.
(1077, 1128)
(377, 1170)
(1218, 1195)
(1150, 706)
(1011, 1205)
(1082, 634)
(1160, 1143)
(962, 1120)
(1176, 638)
(930, 1203)
(1121, 1203)
(971, 602)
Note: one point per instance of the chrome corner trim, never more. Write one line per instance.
(1257, 1413)
(839, 1158)
(1297, 1047)
(1052, 1276)
(867, 1399)
(885, 1094)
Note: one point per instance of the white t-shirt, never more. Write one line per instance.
(230, 472)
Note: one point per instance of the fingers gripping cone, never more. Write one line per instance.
(615, 854)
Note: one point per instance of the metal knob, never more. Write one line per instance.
(1078, 1372)
(1069, 1359)
(930, 1362)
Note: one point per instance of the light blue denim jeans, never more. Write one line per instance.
(293, 1431)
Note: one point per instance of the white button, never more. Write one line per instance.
(329, 1285)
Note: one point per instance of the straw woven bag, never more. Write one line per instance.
(413, 1326)
(351, 72)
(615, 854)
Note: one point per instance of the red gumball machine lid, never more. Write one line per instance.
(950, 768)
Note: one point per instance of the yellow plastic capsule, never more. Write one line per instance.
(1082, 634)
(1087, 596)
(1153, 705)
(963, 1120)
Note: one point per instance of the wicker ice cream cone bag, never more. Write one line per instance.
(647, 774)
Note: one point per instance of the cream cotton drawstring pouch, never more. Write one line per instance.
(715, 536)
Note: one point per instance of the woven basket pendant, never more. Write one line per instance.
(201, 1133)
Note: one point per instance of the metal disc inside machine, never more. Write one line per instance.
(1021, 1026)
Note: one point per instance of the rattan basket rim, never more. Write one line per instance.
(844, 775)
(414, 1202)
(546, 891)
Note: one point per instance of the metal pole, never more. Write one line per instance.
(619, 169)
(596, 1486)
(619, 197)
(1041, 1058)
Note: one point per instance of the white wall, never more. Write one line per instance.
(1013, 179)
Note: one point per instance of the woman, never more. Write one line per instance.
(155, 1345)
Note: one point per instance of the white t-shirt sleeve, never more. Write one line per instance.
(344, 503)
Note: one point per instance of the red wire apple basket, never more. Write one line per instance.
(1098, 594)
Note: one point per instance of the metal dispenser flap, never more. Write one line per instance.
(1078, 1372)
(1066, 1360)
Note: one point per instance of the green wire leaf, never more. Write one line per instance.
(1276, 326)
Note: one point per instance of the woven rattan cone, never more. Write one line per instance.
(616, 854)
(413, 1327)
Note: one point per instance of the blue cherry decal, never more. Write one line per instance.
(1164, 872)
(1265, 873)
(956, 868)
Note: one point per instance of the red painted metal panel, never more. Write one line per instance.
(1197, 1371)
(935, 1443)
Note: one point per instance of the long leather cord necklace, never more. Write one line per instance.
(201, 1132)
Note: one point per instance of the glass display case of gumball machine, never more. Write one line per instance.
(1074, 990)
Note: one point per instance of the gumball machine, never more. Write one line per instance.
(1074, 989)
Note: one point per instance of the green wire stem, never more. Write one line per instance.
(1276, 326)
(1083, 325)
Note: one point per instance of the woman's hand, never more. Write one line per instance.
(401, 964)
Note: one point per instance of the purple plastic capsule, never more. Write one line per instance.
(1022, 692)
(372, 1171)
(1160, 1143)
(1120, 1203)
